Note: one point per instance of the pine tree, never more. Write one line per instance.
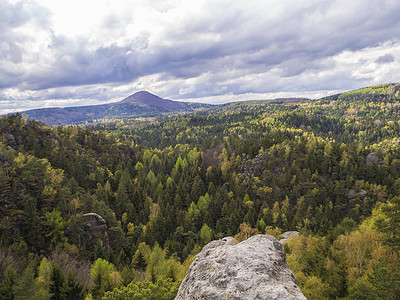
(392, 227)
(55, 226)
(139, 261)
(73, 290)
(386, 284)
(6, 286)
(25, 288)
(99, 251)
(32, 225)
(57, 282)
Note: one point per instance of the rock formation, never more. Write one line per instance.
(352, 193)
(373, 158)
(253, 269)
(11, 141)
(97, 227)
(252, 167)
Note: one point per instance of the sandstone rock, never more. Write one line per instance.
(373, 158)
(286, 236)
(361, 194)
(252, 167)
(96, 226)
(11, 141)
(2, 157)
(253, 269)
(351, 193)
(95, 222)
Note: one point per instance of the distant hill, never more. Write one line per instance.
(140, 104)
(388, 92)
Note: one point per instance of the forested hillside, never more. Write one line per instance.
(327, 168)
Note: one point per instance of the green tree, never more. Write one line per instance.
(139, 261)
(55, 227)
(205, 234)
(122, 196)
(27, 289)
(32, 225)
(99, 251)
(57, 282)
(162, 289)
(44, 273)
(386, 284)
(6, 286)
(73, 290)
(100, 273)
(392, 226)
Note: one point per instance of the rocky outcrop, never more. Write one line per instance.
(97, 227)
(373, 158)
(2, 157)
(11, 141)
(252, 167)
(253, 269)
(352, 193)
(95, 223)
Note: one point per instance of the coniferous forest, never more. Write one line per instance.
(161, 188)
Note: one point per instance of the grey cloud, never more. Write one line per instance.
(12, 15)
(279, 43)
(299, 65)
(82, 67)
(384, 59)
(12, 52)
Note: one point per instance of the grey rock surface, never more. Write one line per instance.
(286, 236)
(97, 227)
(253, 269)
(252, 167)
(352, 193)
(11, 141)
(2, 157)
(95, 222)
(372, 158)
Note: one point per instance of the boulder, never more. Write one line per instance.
(372, 158)
(352, 193)
(253, 269)
(362, 194)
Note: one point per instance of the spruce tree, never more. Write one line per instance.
(57, 282)
(25, 288)
(392, 227)
(73, 289)
(139, 261)
(6, 286)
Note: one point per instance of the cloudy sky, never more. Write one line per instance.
(80, 52)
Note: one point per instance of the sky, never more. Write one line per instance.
(56, 53)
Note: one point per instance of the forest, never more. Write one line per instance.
(165, 187)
